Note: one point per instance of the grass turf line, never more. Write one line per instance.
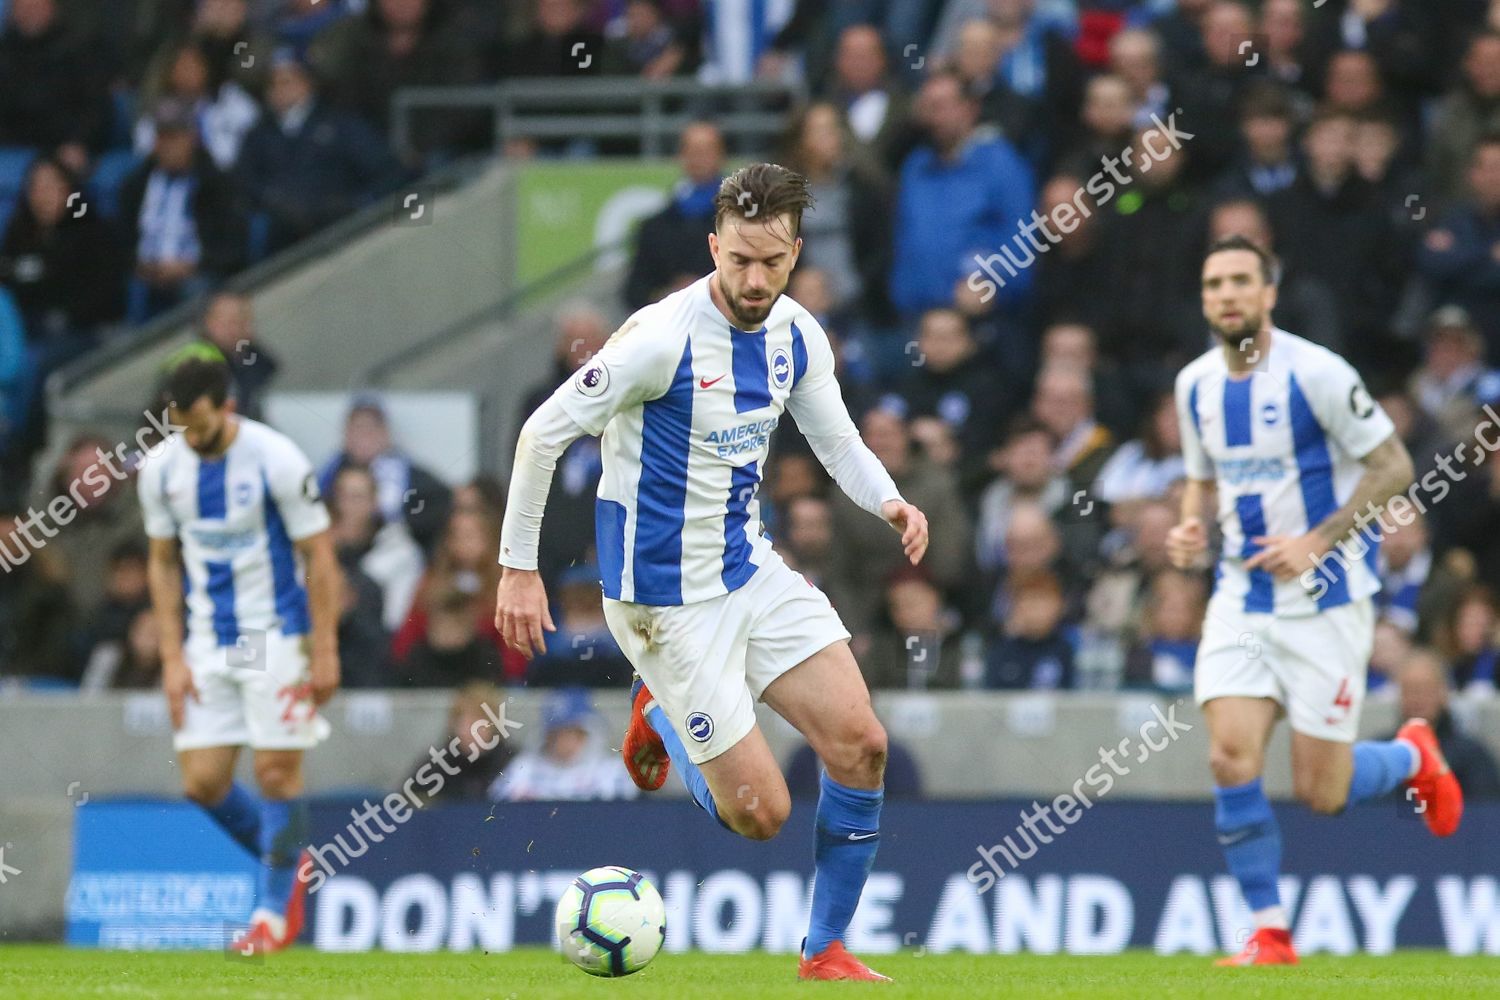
(34, 972)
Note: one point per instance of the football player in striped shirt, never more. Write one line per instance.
(239, 538)
(686, 394)
(1281, 434)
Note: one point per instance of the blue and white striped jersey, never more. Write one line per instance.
(1283, 443)
(236, 517)
(686, 404)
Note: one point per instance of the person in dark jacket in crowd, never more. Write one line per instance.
(229, 324)
(51, 94)
(1461, 257)
(181, 218)
(1424, 695)
(671, 247)
(306, 164)
(471, 729)
(37, 619)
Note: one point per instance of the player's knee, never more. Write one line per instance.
(1233, 765)
(278, 780)
(763, 820)
(859, 756)
(205, 789)
(1320, 796)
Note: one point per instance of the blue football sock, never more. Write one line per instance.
(283, 835)
(692, 777)
(1251, 840)
(848, 833)
(1379, 767)
(239, 816)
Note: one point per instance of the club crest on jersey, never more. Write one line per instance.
(781, 367)
(1269, 414)
(592, 379)
(700, 726)
(242, 491)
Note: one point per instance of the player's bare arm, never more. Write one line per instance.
(912, 524)
(164, 579)
(1187, 542)
(1388, 472)
(323, 604)
(521, 612)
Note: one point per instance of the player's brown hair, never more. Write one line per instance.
(1270, 267)
(763, 191)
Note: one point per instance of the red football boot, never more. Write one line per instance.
(1267, 946)
(1440, 798)
(834, 962)
(645, 756)
(267, 934)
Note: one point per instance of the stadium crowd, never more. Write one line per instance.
(1013, 197)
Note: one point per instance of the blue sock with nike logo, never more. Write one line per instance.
(1251, 840)
(692, 777)
(848, 834)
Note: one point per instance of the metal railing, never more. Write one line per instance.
(650, 112)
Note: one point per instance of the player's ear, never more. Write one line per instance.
(1272, 291)
(713, 247)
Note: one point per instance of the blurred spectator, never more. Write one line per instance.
(1453, 380)
(1397, 34)
(582, 652)
(951, 385)
(405, 491)
(737, 38)
(1466, 638)
(567, 537)
(671, 247)
(1461, 256)
(1074, 261)
(471, 727)
(1115, 609)
(1267, 163)
(646, 46)
(382, 550)
(1074, 345)
(1305, 305)
(297, 22)
(1468, 112)
(846, 233)
(1027, 475)
(869, 550)
(874, 105)
(37, 617)
(364, 642)
(1064, 404)
(1144, 468)
(229, 324)
(482, 495)
(225, 112)
(1399, 185)
(450, 634)
(106, 516)
(558, 43)
(806, 541)
(1210, 93)
(180, 216)
(1156, 316)
(903, 779)
(133, 663)
(306, 164)
(1330, 227)
(1413, 589)
(1108, 120)
(574, 761)
(236, 49)
(962, 197)
(1135, 57)
(1283, 32)
(1388, 652)
(51, 94)
(1353, 83)
(1164, 653)
(401, 43)
(124, 596)
(1424, 695)
(914, 645)
(1032, 653)
(62, 263)
(1181, 30)
(1034, 548)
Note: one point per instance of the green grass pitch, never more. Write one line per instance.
(47, 971)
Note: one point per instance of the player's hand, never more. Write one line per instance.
(521, 611)
(1187, 542)
(912, 524)
(323, 668)
(177, 683)
(1287, 556)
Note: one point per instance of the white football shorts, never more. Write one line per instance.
(254, 694)
(1313, 665)
(707, 663)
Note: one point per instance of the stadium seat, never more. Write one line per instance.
(108, 176)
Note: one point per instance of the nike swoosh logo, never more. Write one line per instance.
(704, 383)
(863, 836)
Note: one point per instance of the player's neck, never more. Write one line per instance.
(1247, 354)
(226, 439)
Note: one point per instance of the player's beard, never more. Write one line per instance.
(1243, 329)
(748, 316)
